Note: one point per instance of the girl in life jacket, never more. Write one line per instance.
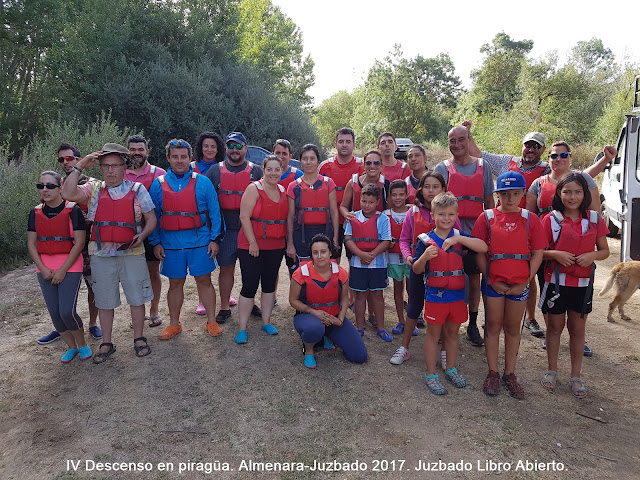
(515, 241)
(577, 238)
(372, 174)
(313, 207)
(319, 293)
(55, 238)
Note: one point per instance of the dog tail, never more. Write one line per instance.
(610, 280)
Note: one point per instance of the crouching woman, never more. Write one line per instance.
(319, 295)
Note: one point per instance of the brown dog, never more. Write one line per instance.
(626, 278)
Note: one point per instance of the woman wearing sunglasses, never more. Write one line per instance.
(55, 238)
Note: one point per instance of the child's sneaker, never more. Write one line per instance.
(515, 389)
(455, 378)
(491, 383)
(433, 382)
(400, 356)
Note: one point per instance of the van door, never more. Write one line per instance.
(611, 190)
(630, 194)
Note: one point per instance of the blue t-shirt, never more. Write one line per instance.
(433, 294)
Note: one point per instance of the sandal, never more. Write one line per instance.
(384, 335)
(141, 350)
(433, 382)
(549, 380)
(101, 357)
(155, 321)
(491, 383)
(515, 389)
(577, 387)
(398, 329)
(455, 378)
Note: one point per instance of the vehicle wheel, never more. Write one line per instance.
(613, 229)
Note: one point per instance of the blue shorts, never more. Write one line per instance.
(197, 260)
(490, 292)
(363, 279)
(228, 253)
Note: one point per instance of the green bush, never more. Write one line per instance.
(17, 189)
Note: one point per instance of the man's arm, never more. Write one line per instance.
(610, 152)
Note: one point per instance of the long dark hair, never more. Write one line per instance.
(428, 174)
(580, 180)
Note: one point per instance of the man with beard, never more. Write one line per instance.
(140, 170)
(68, 157)
(230, 179)
(471, 181)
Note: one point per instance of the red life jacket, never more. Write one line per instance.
(357, 190)
(545, 198)
(312, 201)
(232, 186)
(54, 235)
(365, 234)
(148, 179)
(420, 225)
(325, 298)
(289, 178)
(529, 176)
(398, 171)
(396, 231)
(411, 191)
(115, 220)
(194, 167)
(83, 206)
(509, 250)
(180, 209)
(446, 270)
(269, 218)
(333, 169)
(568, 240)
(469, 190)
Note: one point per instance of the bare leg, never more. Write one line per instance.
(474, 292)
(377, 301)
(532, 300)
(511, 325)
(156, 286)
(430, 346)
(244, 310)
(175, 298)
(225, 284)
(137, 318)
(452, 340)
(106, 324)
(266, 305)
(495, 315)
(555, 326)
(74, 339)
(207, 295)
(576, 327)
(409, 326)
(398, 298)
(361, 305)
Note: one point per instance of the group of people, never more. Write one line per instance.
(434, 232)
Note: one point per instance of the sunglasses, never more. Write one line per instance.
(368, 163)
(179, 143)
(111, 167)
(553, 156)
(237, 146)
(48, 186)
(283, 141)
(533, 145)
(68, 158)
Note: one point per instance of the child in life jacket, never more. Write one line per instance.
(577, 237)
(55, 239)
(367, 235)
(397, 268)
(439, 256)
(516, 241)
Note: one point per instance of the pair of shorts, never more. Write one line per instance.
(416, 295)
(196, 260)
(228, 253)
(398, 272)
(109, 273)
(490, 292)
(148, 252)
(363, 279)
(570, 299)
(438, 313)
(470, 264)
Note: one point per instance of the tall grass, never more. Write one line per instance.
(17, 188)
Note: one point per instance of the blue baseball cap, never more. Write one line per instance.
(510, 181)
(236, 137)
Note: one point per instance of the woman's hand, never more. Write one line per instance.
(46, 273)
(516, 289)
(585, 259)
(254, 250)
(58, 276)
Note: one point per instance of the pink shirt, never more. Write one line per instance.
(129, 175)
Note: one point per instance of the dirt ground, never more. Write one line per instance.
(199, 403)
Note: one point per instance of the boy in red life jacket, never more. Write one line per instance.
(397, 268)
(516, 241)
(439, 255)
(367, 235)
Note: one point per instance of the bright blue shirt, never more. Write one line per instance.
(434, 294)
(204, 166)
(206, 200)
(299, 173)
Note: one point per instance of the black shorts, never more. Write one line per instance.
(470, 264)
(261, 270)
(148, 251)
(570, 299)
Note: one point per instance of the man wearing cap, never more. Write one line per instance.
(187, 235)
(140, 170)
(471, 181)
(117, 208)
(392, 168)
(230, 179)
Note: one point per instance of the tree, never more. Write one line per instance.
(592, 57)
(332, 114)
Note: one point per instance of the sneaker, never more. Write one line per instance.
(223, 316)
(474, 336)
(515, 389)
(544, 345)
(201, 310)
(400, 356)
(433, 382)
(51, 337)
(256, 311)
(491, 383)
(534, 328)
(95, 332)
(587, 351)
